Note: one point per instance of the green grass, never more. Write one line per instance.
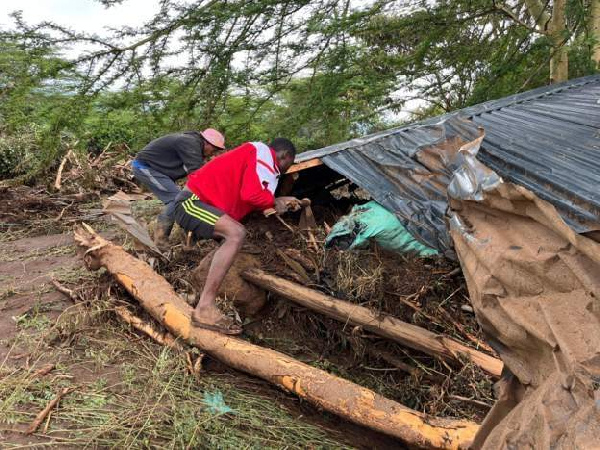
(32, 320)
(57, 250)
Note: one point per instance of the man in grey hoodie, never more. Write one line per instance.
(167, 159)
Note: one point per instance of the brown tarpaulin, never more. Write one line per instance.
(535, 286)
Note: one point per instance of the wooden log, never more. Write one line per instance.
(389, 327)
(58, 180)
(326, 391)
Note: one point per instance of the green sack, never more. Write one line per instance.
(373, 221)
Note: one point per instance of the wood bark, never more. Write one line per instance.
(554, 26)
(595, 31)
(389, 327)
(537, 10)
(559, 61)
(334, 394)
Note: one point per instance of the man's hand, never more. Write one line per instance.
(284, 204)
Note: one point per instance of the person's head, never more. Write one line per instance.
(213, 141)
(285, 151)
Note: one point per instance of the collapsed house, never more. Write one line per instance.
(511, 188)
(545, 140)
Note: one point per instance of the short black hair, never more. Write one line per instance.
(283, 145)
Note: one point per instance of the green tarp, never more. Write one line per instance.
(372, 221)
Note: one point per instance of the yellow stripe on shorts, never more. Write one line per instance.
(210, 214)
(203, 211)
(198, 213)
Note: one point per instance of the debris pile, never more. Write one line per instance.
(428, 292)
(349, 400)
(25, 210)
(108, 171)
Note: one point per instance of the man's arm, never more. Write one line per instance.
(189, 151)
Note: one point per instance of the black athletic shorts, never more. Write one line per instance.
(193, 215)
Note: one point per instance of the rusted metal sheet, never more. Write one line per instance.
(547, 140)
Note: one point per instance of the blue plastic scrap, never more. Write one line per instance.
(215, 403)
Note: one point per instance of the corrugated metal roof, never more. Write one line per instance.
(547, 140)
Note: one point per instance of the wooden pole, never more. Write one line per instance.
(389, 327)
(344, 398)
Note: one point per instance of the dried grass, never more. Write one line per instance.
(132, 393)
(360, 277)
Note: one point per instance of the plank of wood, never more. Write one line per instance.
(304, 165)
(329, 392)
(387, 326)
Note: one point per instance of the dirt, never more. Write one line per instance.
(27, 266)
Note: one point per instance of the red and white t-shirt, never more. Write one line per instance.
(239, 181)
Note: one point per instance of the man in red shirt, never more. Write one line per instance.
(216, 197)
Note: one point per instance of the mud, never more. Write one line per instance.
(26, 268)
(247, 298)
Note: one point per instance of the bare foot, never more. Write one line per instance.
(211, 318)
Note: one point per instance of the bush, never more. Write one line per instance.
(117, 127)
(17, 152)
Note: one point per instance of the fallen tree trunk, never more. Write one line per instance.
(334, 394)
(405, 333)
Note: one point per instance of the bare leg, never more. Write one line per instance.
(233, 234)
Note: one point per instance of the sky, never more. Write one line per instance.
(81, 15)
(88, 16)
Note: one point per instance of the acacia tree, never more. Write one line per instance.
(320, 71)
(212, 46)
(559, 21)
(453, 53)
(548, 20)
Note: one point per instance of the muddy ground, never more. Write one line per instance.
(129, 391)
